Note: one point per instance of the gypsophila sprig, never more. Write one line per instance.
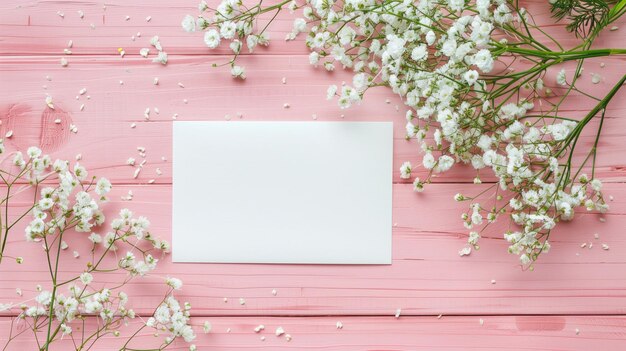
(453, 63)
(68, 203)
(238, 25)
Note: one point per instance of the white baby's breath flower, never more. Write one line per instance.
(444, 163)
(418, 185)
(86, 278)
(174, 283)
(238, 72)
(470, 77)
(227, 30)
(212, 39)
(80, 172)
(405, 170)
(189, 23)
(103, 186)
(235, 46)
(65, 329)
(95, 238)
(561, 78)
(331, 92)
(33, 152)
(483, 60)
(428, 161)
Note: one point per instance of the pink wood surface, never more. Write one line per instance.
(459, 333)
(571, 287)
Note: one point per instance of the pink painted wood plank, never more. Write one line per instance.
(106, 139)
(527, 333)
(34, 28)
(427, 276)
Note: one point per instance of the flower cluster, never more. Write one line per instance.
(452, 63)
(233, 22)
(438, 56)
(172, 318)
(71, 201)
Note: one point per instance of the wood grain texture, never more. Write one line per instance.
(106, 140)
(32, 27)
(459, 333)
(571, 288)
(427, 276)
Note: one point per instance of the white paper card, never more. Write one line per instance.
(282, 192)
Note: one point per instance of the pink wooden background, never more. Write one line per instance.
(574, 300)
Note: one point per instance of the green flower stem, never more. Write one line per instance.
(54, 288)
(600, 106)
(617, 11)
(558, 55)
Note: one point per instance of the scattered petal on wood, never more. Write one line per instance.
(465, 251)
(596, 78)
(49, 102)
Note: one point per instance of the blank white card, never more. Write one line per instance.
(282, 192)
